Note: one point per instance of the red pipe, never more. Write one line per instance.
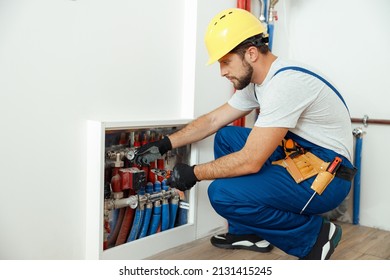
(116, 185)
(244, 4)
(248, 5)
(113, 237)
(137, 144)
(151, 175)
(125, 227)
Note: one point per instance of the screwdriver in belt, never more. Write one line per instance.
(332, 168)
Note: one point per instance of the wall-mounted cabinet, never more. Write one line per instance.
(132, 212)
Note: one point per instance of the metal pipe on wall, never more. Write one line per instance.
(272, 17)
(358, 133)
(365, 120)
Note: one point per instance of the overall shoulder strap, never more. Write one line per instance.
(296, 68)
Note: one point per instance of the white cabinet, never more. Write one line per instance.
(108, 143)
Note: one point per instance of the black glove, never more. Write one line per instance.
(152, 151)
(182, 177)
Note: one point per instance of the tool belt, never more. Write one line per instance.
(302, 165)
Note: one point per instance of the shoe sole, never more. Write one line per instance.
(334, 240)
(244, 247)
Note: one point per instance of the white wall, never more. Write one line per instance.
(349, 42)
(62, 63)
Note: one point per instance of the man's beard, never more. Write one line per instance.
(244, 81)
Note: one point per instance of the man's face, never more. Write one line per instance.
(236, 70)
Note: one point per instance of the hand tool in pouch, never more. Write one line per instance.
(323, 179)
(300, 164)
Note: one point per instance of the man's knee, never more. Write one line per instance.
(217, 197)
(229, 139)
(212, 192)
(222, 133)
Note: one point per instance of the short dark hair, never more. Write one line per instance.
(259, 41)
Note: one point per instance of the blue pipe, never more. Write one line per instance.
(154, 224)
(266, 4)
(270, 35)
(149, 187)
(173, 211)
(165, 215)
(141, 191)
(165, 208)
(135, 229)
(157, 186)
(164, 185)
(146, 220)
(183, 213)
(356, 180)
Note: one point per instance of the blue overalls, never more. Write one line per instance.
(268, 203)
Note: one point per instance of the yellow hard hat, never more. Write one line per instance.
(228, 29)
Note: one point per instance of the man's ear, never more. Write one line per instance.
(252, 53)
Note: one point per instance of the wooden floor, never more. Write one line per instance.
(357, 243)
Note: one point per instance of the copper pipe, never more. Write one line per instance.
(367, 121)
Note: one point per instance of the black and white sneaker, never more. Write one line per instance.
(247, 242)
(327, 241)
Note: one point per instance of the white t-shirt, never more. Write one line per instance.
(302, 103)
